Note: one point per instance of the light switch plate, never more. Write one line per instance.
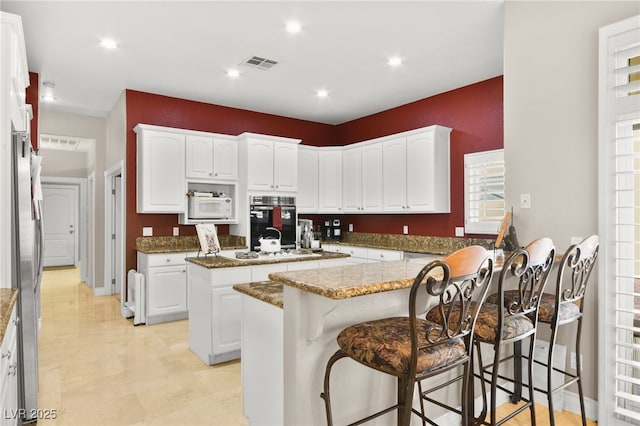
(525, 201)
(351, 227)
(459, 231)
(147, 231)
(405, 229)
(176, 231)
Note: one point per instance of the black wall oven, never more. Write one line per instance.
(272, 211)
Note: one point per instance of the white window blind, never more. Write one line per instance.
(619, 223)
(484, 203)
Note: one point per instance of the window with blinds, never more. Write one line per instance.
(484, 203)
(619, 223)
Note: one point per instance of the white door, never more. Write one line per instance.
(60, 222)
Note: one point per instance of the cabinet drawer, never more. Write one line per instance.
(166, 259)
(384, 255)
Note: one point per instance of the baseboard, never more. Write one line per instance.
(572, 404)
(101, 291)
(451, 418)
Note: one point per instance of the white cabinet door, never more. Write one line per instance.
(420, 172)
(260, 165)
(166, 290)
(199, 153)
(9, 373)
(352, 180)
(330, 185)
(371, 192)
(394, 178)
(225, 159)
(285, 167)
(160, 172)
(307, 198)
(226, 314)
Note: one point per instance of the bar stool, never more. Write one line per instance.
(566, 306)
(524, 276)
(412, 348)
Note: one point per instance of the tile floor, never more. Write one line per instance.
(96, 368)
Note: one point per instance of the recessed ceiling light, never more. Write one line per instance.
(394, 61)
(322, 93)
(48, 98)
(233, 73)
(293, 27)
(108, 43)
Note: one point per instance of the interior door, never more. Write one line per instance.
(60, 222)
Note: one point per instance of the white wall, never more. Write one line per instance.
(64, 163)
(64, 124)
(550, 129)
(116, 132)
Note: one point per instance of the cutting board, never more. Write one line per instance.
(503, 229)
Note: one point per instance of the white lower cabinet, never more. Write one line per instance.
(364, 254)
(165, 286)
(9, 373)
(215, 308)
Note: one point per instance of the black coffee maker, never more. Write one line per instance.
(332, 230)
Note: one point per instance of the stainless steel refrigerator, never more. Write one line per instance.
(27, 252)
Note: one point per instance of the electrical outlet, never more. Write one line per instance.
(525, 201)
(351, 227)
(176, 231)
(459, 231)
(405, 229)
(147, 231)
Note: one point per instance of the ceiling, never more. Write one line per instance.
(183, 49)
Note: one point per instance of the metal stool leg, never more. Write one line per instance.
(325, 395)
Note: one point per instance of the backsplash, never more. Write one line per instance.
(184, 243)
(414, 243)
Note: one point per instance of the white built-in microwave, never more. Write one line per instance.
(210, 208)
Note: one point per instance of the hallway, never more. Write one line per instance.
(96, 368)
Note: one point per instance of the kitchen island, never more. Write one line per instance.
(215, 309)
(318, 304)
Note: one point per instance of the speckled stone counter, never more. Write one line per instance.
(151, 245)
(267, 291)
(412, 243)
(226, 262)
(342, 282)
(8, 297)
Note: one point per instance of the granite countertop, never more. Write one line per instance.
(342, 282)
(153, 245)
(347, 281)
(8, 297)
(267, 291)
(212, 261)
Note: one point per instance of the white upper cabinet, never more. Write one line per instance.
(211, 158)
(330, 180)
(285, 166)
(394, 175)
(424, 155)
(225, 158)
(160, 170)
(352, 180)
(199, 156)
(271, 163)
(308, 174)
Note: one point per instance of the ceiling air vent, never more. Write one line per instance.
(260, 63)
(65, 143)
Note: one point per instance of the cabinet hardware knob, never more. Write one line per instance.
(184, 271)
(168, 260)
(215, 174)
(6, 355)
(16, 321)
(13, 370)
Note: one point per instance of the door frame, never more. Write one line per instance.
(109, 210)
(91, 230)
(81, 240)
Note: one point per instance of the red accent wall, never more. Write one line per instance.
(166, 111)
(33, 99)
(474, 112)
